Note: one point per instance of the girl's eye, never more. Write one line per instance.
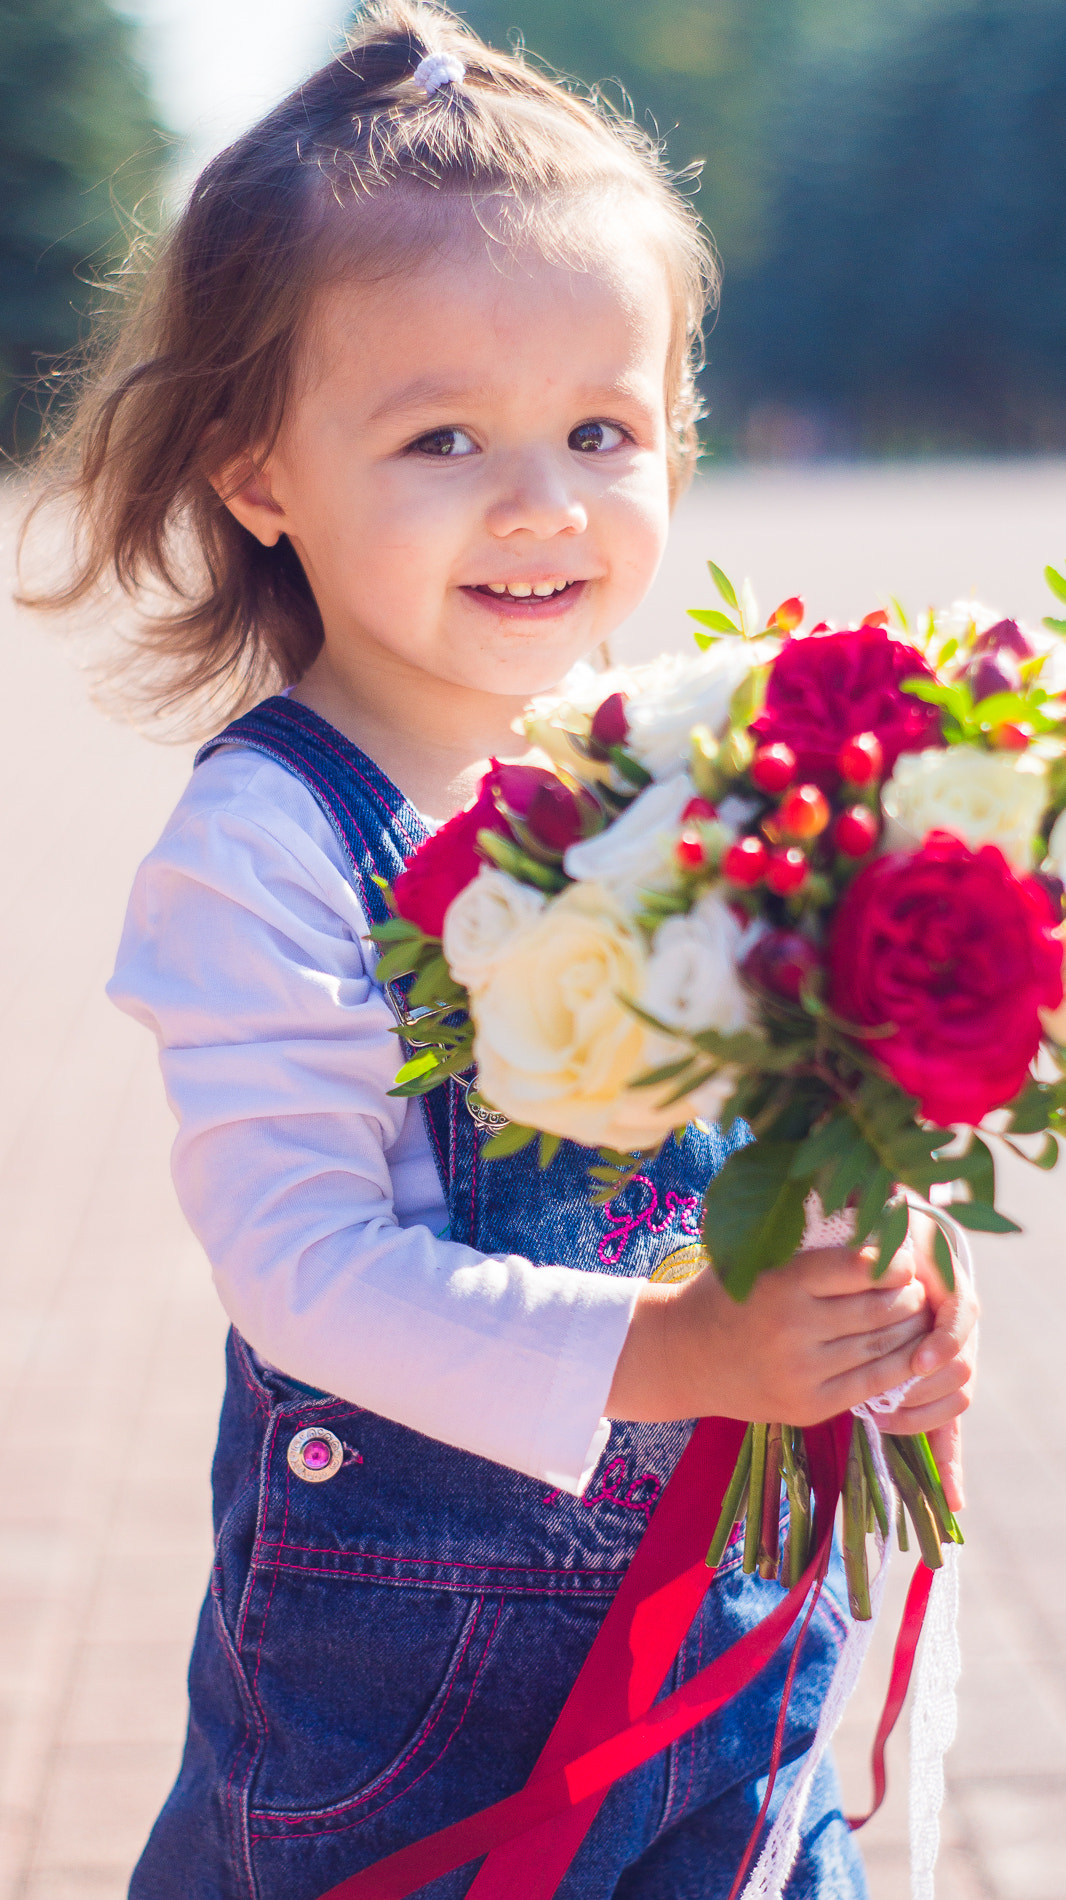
(441, 442)
(592, 438)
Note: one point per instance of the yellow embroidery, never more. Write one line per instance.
(681, 1264)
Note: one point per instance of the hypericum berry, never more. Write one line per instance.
(803, 812)
(609, 723)
(787, 617)
(782, 961)
(699, 811)
(690, 851)
(856, 831)
(1011, 738)
(745, 862)
(861, 759)
(787, 870)
(773, 768)
(878, 618)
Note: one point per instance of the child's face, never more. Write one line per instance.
(462, 441)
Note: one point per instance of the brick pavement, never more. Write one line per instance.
(111, 1343)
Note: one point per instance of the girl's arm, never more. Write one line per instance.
(312, 1190)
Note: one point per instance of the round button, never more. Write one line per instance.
(315, 1454)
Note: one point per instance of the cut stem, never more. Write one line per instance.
(731, 1504)
(925, 1525)
(856, 1505)
(753, 1526)
(770, 1533)
(880, 1508)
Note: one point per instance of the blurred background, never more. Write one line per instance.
(886, 393)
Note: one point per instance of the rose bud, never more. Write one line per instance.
(788, 616)
(553, 815)
(987, 675)
(782, 962)
(773, 768)
(1011, 738)
(699, 811)
(878, 618)
(787, 870)
(1005, 634)
(804, 812)
(610, 726)
(856, 831)
(690, 852)
(861, 759)
(745, 862)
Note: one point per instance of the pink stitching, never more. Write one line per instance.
(677, 1206)
(348, 1805)
(273, 1587)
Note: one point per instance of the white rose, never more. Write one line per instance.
(552, 716)
(678, 694)
(955, 621)
(633, 854)
(693, 979)
(480, 922)
(981, 797)
(1056, 848)
(556, 1048)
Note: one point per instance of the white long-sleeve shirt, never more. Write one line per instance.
(313, 1192)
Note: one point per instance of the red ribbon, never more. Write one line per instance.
(903, 1656)
(611, 1723)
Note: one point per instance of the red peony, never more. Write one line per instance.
(448, 861)
(828, 687)
(957, 952)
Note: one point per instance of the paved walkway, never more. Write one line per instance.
(111, 1338)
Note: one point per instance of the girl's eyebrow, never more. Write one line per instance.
(422, 392)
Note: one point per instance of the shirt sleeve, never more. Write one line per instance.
(313, 1191)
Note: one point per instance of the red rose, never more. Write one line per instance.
(956, 951)
(824, 689)
(553, 816)
(448, 861)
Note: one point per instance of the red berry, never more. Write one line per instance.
(787, 870)
(782, 961)
(745, 861)
(690, 851)
(1011, 738)
(787, 617)
(773, 768)
(856, 831)
(699, 811)
(878, 618)
(803, 813)
(861, 759)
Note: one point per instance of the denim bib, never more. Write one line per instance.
(394, 1624)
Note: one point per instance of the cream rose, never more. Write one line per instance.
(481, 921)
(556, 1048)
(1056, 848)
(676, 695)
(981, 797)
(692, 980)
(552, 716)
(633, 854)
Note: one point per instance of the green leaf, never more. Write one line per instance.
(630, 767)
(1053, 626)
(549, 1148)
(870, 1210)
(710, 617)
(753, 1214)
(418, 1065)
(399, 961)
(855, 1165)
(509, 857)
(944, 1258)
(978, 1168)
(509, 1141)
(1029, 1111)
(825, 1144)
(725, 586)
(1056, 583)
(1048, 1156)
(396, 930)
(667, 1073)
(433, 984)
(892, 1232)
(980, 1218)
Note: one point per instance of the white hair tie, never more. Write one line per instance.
(437, 70)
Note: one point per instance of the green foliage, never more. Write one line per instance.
(79, 151)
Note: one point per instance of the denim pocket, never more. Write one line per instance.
(366, 1685)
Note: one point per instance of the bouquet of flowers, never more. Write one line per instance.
(811, 880)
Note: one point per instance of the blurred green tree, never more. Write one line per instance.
(911, 290)
(79, 149)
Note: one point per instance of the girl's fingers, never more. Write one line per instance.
(833, 1272)
(854, 1387)
(928, 1418)
(870, 1311)
(857, 1350)
(954, 1320)
(945, 1442)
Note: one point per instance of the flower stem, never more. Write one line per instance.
(770, 1532)
(880, 1509)
(798, 1486)
(856, 1504)
(926, 1528)
(753, 1527)
(731, 1504)
(919, 1455)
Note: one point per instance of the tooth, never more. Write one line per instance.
(496, 587)
(544, 588)
(520, 589)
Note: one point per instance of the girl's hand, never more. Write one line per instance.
(944, 1364)
(813, 1338)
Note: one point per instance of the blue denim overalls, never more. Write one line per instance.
(393, 1625)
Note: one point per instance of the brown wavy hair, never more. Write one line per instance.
(196, 370)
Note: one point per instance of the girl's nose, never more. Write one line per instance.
(537, 497)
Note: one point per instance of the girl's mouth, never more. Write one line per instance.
(527, 599)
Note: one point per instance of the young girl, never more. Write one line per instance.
(398, 425)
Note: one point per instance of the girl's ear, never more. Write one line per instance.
(244, 488)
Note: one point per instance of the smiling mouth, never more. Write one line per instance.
(525, 595)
